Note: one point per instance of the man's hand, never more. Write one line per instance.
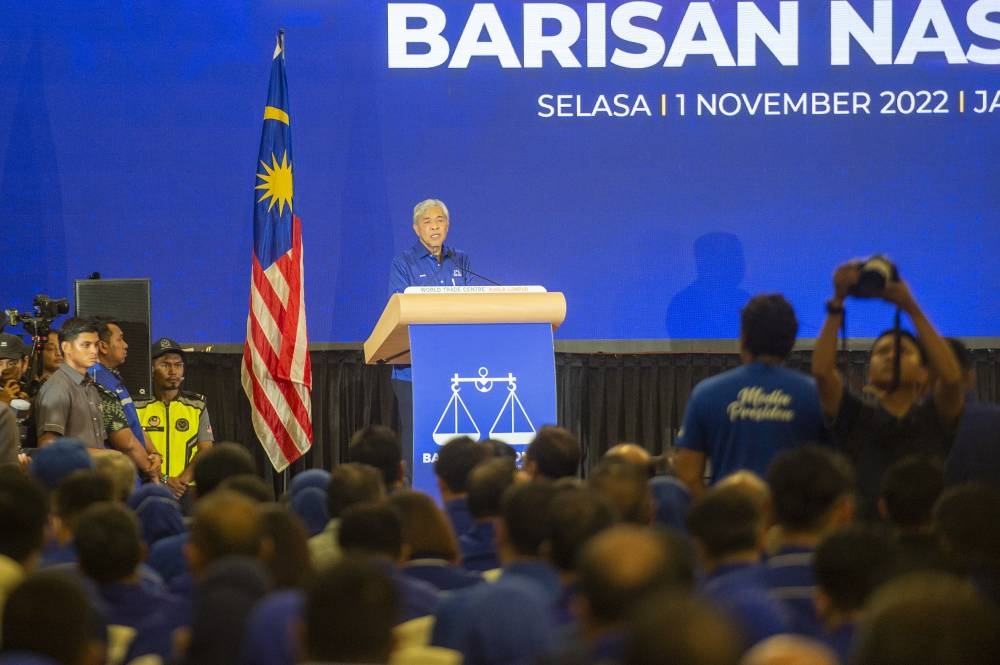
(155, 467)
(177, 486)
(898, 293)
(10, 390)
(845, 277)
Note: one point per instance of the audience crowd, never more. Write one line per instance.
(800, 521)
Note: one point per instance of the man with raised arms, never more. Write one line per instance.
(892, 418)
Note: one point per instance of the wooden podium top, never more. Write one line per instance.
(389, 341)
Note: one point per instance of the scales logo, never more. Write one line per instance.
(512, 424)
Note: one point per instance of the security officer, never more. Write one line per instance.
(176, 420)
(117, 405)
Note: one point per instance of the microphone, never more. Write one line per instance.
(449, 253)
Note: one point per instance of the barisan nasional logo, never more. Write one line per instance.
(512, 423)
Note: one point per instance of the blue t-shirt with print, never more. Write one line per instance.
(742, 419)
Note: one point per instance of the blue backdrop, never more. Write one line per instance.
(129, 133)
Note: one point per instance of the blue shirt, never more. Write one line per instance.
(54, 554)
(127, 604)
(741, 419)
(166, 556)
(789, 578)
(269, 636)
(108, 379)
(459, 515)
(479, 548)
(841, 640)
(440, 574)
(672, 499)
(25, 658)
(739, 590)
(418, 267)
(509, 622)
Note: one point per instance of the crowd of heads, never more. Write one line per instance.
(250, 571)
(531, 556)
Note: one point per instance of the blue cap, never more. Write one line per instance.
(158, 511)
(318, 478)
(59, 459)
(310, 505)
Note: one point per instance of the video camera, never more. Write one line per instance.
(38, 322)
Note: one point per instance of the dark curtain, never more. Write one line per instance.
(603, 398)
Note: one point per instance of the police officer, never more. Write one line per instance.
(175, 420)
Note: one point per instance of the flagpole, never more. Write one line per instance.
(287, 471)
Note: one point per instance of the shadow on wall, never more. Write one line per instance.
(709, 307)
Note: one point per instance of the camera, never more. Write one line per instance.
(50, 308)
(873, 274)
(37, 323)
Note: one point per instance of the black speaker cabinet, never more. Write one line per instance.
(127, 302)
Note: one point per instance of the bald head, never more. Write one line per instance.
(789, 650)
(631, 452)
(751, 484)
(626, 486)
(622, 564)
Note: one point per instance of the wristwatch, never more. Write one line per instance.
(833, 307)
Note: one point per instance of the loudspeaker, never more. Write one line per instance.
(127, 302)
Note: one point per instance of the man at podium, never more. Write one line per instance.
(427, 263)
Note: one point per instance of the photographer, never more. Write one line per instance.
(13, 360)
(892, 418)
(13, 355)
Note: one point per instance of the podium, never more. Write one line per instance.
(483, 364)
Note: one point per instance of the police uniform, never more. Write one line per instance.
(174, 427)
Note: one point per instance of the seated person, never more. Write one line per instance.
(487, 484)
(728, 528)
(430, 544)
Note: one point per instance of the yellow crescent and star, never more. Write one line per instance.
(277, 176)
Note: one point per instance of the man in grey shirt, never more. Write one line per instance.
(69, 403)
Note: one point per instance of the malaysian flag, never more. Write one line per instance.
(276, 372)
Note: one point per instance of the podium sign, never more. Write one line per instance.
(485, 381)
(482, 364)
